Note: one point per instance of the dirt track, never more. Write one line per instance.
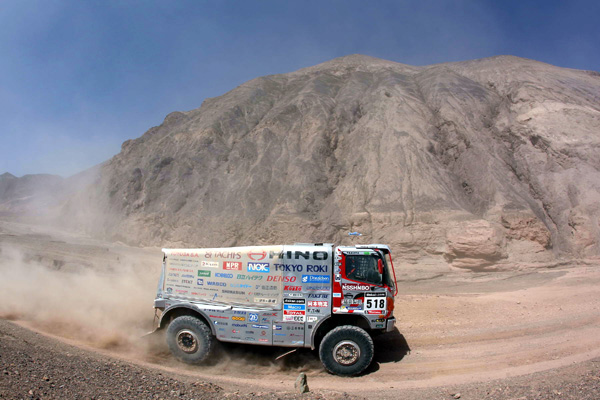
(458, 332)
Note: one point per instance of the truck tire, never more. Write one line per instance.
(346, 350)
(189, 339)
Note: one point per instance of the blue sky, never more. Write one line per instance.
(77, 78)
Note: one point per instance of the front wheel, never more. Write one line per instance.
(189, 339)
(346, 350)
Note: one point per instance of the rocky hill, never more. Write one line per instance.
(483, 163)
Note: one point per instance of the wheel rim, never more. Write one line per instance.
(346, 352)
(187, 341)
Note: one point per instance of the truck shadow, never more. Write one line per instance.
(389, 347)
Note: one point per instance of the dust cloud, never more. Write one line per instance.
(109, 309)
(108, 305)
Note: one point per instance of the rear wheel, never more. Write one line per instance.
(346, 350)
(189, 339)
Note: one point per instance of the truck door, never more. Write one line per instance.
(362, 283)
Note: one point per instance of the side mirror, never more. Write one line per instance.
(380, 266)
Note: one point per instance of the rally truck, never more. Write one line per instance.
(317, 296)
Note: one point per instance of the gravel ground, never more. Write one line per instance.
(33, 366)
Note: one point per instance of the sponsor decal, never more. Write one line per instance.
(235, 331)
(294, 301)
(293, 294)
(273, 278)
(212, 283)
(317, 268)
(240, 325)
(317, 296)
(223, 275)
(337, 295)
(318, 303)
(187, 276)
(375, 312)
(181, 291)
(259, 267)
(295, 327)
(221, 323)
(294, 318)
(377, 303)
(375, 294)
(317, 288)
(236, 292)
(209, 264)
(240, 285)
(315, 279)
(264, 340)
(311, 319)
(174, 274)
(218, 316)
(378, 325)
(263, 333)
(256, 326)
(338, 277)
(184, 254)
(346, 286)
(289, 267)
(294, 307)
(253, 317)
(238, 318)
(239, 312)
(280, 334)
(297, 341)
(232, 266)
(169, 290)
(290, 288)
(182, 270)
(263, 300)
(250, 339)
(204, 274)
(277, 327)
(187, 281)
(250, 277)
(257, 255)
(269, 314)
(266, 287)
(223, 254)
(294, 312)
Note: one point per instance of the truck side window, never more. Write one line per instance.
(363, 269)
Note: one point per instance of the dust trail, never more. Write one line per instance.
(110, 309)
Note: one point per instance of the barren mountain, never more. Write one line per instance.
(483, 164)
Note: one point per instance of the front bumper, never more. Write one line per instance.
(391, 322)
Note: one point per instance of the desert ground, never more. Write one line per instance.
(74, 311)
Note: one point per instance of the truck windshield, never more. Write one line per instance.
(363, 269)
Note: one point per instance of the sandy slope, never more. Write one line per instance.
(454, 328)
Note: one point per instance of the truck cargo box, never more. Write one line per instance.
(242, 276)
